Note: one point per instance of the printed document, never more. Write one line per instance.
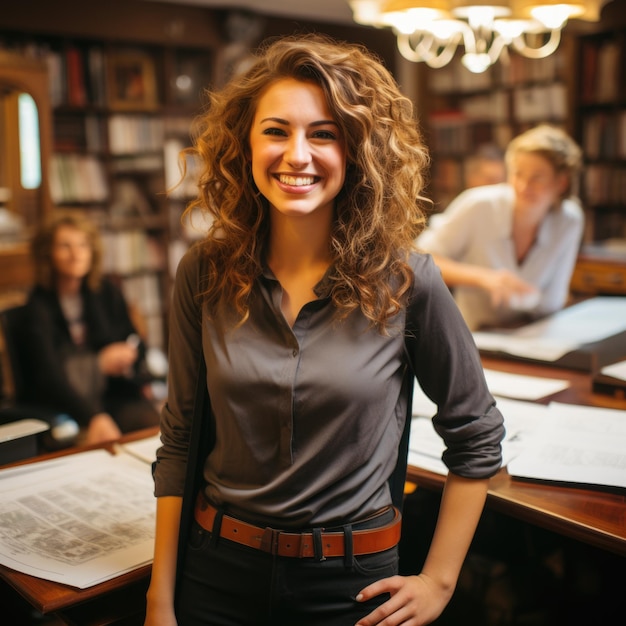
(577, 444)
(79, 519)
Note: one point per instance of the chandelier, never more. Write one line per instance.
(430, 31)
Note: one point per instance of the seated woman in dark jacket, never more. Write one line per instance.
(86, 355)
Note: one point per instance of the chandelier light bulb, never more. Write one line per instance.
(366, 12)
(410, 20)
(552, 15)
(476, 62)
(446, 29)
(479, 16)
(509, 29)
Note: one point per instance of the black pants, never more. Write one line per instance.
(227, 584)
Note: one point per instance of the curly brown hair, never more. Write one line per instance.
(43, 240)
(378, 212)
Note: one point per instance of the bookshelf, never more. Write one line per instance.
(121, 111)
(465, 111)
(601, 126)
(600, 122)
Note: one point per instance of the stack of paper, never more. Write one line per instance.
(555, 442)
(615, 370)
(520, 418)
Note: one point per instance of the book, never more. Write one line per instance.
(77, 178)
(607, 78)
(96, 76)
(76, 90)
(57, 78)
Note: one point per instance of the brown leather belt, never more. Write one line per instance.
(300, 545)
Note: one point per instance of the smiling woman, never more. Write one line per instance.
(298, 165)
(298, 151)
(301, 321)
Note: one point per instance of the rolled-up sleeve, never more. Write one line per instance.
(448, 368)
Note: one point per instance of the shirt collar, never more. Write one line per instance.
(321, 290)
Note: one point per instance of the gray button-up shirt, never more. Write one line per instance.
(308, 419)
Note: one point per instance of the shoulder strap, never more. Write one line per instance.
(398, 478)
(201, 441)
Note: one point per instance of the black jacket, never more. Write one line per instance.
(47, 340)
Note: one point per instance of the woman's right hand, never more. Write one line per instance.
(506, 288)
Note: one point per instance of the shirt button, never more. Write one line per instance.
(295, 352)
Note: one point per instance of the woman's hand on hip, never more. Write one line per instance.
(415, 601)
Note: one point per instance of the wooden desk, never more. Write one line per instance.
(117, 601)
(599, 273)
(120, 600)
(595, 517)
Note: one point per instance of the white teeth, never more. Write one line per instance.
(295, 180)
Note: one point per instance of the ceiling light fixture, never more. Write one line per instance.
(430, 31)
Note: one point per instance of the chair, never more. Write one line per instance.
(17, 403)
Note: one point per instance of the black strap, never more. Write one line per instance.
(201, 441)
(398, 477)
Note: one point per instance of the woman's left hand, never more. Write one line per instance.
(102, 427)
(415, 601)
(117, 359)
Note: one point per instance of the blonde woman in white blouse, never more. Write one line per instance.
(508, 251)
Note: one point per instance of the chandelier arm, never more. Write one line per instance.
(497, 45)
(519, 43)
(444, 57)
(407, 50)
(469, 37)
(423, 50)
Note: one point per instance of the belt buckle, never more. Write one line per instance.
(269, 540)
